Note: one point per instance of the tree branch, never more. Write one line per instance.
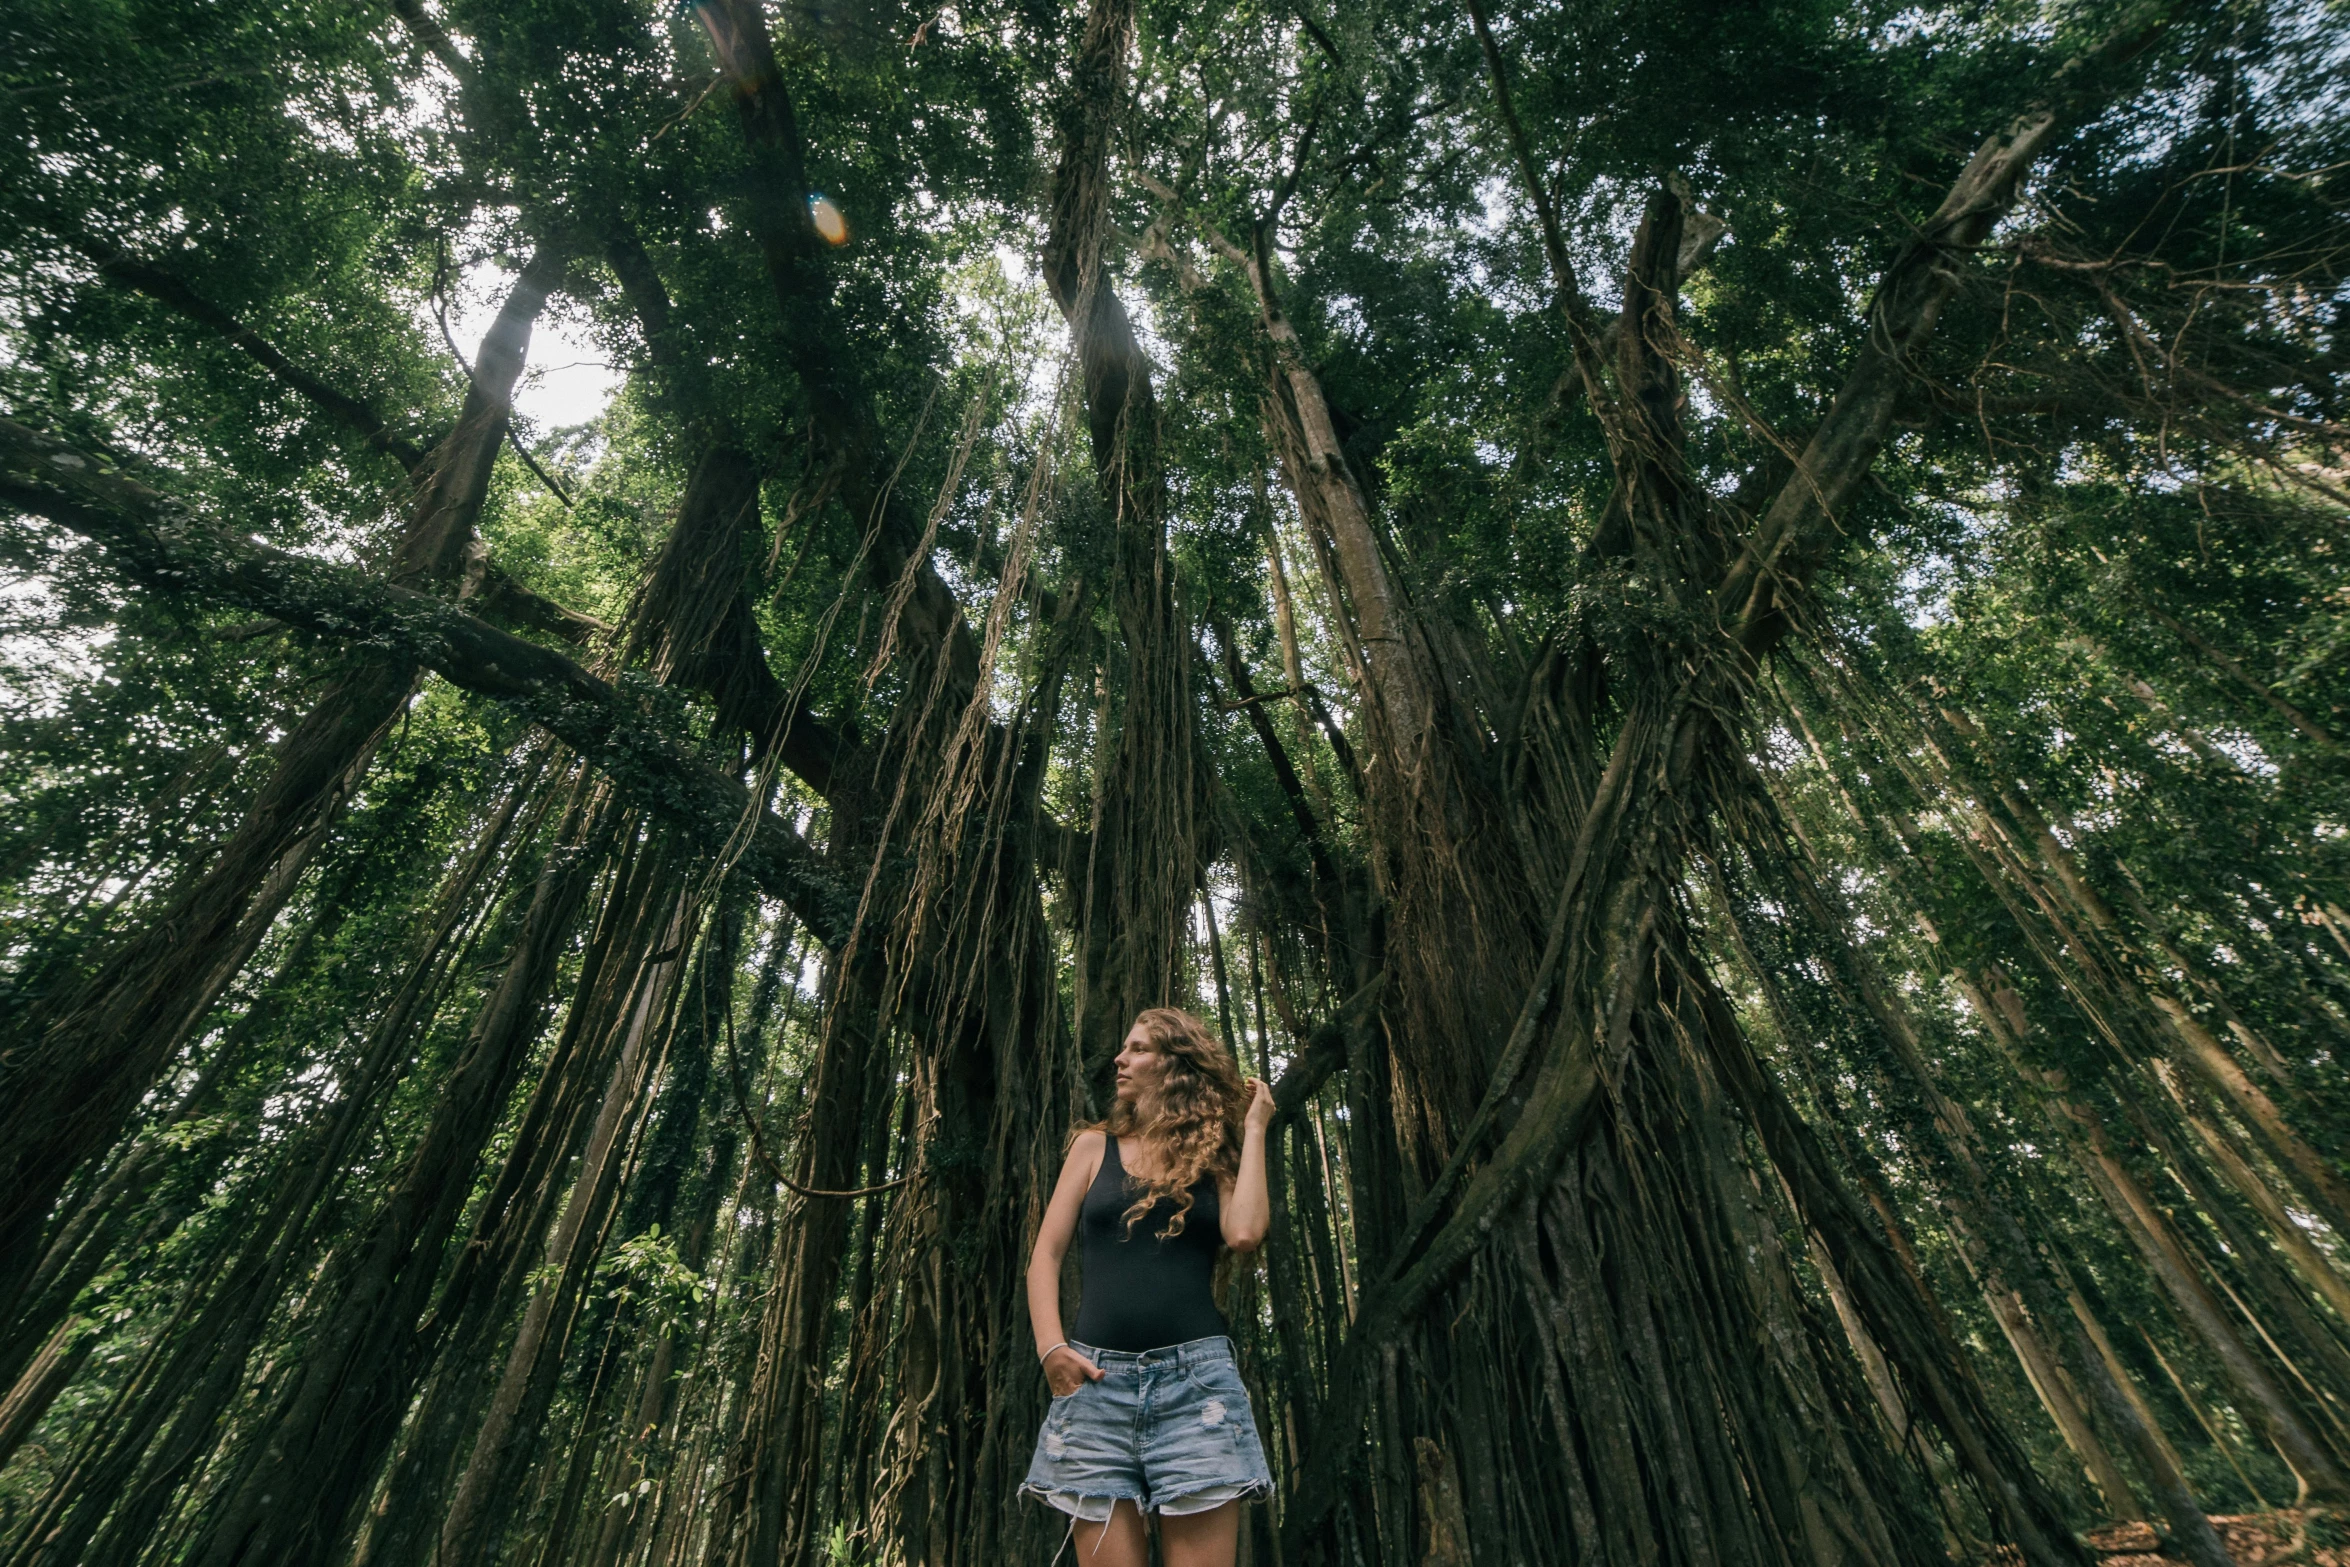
(2309, 727)
(125, 271)
(1800, 527)
(1314, 31)
(1804, 520)
(147, 538)
(435, 40)
(847, 434)
(441, 314)
(504, 599)
(1329, 886)
(500, 595)
(1323, 1051)
(1581, 326)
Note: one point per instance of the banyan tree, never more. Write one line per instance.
(1717, 635)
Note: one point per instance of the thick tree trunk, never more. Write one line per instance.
(855, 463)
(1628, 917)
(1617, 901)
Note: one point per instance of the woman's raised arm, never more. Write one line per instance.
(1247, 1210)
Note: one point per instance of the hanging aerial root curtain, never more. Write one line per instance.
(1637, 1013)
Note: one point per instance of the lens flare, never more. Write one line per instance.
(829, 222)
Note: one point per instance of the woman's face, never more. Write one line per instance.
(1141, 1068)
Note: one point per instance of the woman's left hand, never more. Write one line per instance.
(1260, 1105)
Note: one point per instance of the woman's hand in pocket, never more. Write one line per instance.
(1067, 1371)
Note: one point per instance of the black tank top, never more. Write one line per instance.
(1142, 1292)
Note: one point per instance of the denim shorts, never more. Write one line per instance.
(1169, 1430)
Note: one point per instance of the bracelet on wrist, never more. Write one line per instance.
(1048, 1354)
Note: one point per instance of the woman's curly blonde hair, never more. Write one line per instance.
(1198, 1111)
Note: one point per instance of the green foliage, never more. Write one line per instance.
(644, 1272)
(2104, 582)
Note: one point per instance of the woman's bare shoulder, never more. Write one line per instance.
(1085, 1150)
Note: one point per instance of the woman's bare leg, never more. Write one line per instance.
(1118, 1543)
(1209, 1539)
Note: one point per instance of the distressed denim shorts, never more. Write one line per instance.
(1169, 1430)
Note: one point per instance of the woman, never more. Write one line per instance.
(1148, 1413)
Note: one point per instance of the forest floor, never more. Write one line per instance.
(2253, 1539)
